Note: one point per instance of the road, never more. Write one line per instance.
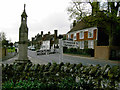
(44, 59)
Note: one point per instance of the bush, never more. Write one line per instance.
(89, 52)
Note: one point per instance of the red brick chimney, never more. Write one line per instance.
(41, 33)
(119, 13)
(55, 34)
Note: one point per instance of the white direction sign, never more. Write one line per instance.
(66, 43)
(70, 44)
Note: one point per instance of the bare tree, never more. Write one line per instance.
(2, 36)
(77, 10)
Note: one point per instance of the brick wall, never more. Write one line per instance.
(102, 52)
(107, 52)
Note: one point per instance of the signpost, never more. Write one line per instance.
(60, 50)
(66, 43)
(70, 44)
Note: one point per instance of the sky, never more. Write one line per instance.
(43, 15)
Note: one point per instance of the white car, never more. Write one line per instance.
(32, 48)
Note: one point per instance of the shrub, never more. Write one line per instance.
(89, 52)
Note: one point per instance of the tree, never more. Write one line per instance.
(78, 10)
(11, 44)
(95, 7)
(114, 23)
(107, 16)
(3, 39)
(2, 36)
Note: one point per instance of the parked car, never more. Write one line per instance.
(33, 49)
(40, 52)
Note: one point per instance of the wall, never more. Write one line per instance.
(107, 52)
(102, 52)
(3, 53)
(0, 52)
(115, 52)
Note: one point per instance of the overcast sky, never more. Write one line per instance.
(43, 15)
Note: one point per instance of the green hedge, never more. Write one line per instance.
(11, 49)
(89, 52)
(60, 76)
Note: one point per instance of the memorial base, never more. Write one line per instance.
(22, 61)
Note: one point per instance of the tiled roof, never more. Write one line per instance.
(81, 25)
(47, 37)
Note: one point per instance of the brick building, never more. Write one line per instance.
(40, 38)
(88, 36)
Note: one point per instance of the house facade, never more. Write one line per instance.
(87, 38)
(39, 40)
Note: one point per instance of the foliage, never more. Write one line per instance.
(78, 10)
(60, 76)
(11, 49)
(2, 36)
(110, 24)
(105, 17)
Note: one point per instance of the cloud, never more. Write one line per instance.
(42, 16)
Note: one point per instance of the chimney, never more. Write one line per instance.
(49, 33)
(119, 13)
(41, 33)
(55, 34)
(74, 23)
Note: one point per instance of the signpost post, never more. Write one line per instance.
(60, 50)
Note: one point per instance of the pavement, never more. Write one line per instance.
(93, 58)
(9, 56)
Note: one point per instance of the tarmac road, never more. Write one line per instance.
(44, 59)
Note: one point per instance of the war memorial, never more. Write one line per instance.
(23, 39)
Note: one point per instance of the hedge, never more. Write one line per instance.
(11, 49)
(89, 52)
(60, 76)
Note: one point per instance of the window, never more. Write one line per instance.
(81, 35)
(91, 44)
(81, 44)
(68, 36)
(90, 34)
(74, 37)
